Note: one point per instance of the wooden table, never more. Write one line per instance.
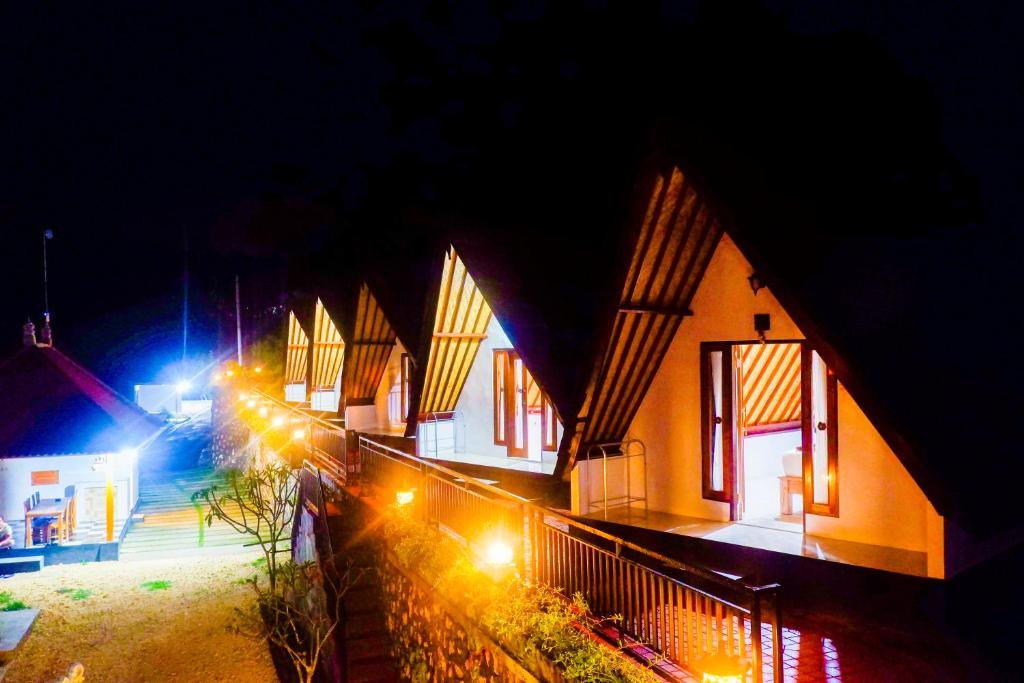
(49, 507)
(787, 487)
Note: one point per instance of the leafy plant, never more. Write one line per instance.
(9, 604)
(298, 606)
(259, 502)
(300, 614)
(526, 619)
(155, 585)
(76, 593)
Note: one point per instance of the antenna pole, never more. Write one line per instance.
(46, 286)
(47, 235)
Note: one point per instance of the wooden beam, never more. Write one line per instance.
(659, 310)
(459, 335)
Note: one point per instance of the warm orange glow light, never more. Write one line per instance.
(277, 421)
(263, 411)
(498, 553)
(218, 377)
(299, 434)
(404, 497)
(258, 370)
(230, 373)
(251, 403)
(243, 397)
(721, 668)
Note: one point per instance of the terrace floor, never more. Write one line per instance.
(772, 539)
(544, 466)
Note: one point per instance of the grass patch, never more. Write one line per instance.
(155, 585)
(9, 604)
(76, 593)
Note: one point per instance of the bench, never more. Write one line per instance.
(18, 564)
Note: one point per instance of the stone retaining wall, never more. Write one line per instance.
(432, 641)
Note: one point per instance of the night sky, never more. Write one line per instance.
(253, 128)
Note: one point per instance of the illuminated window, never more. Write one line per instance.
(820, 436)
(398, 395)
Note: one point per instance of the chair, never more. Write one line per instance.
(42, 528)
(72, 517)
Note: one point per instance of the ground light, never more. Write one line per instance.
(404, 497)
(299, 434)
(722, 668)
(243, 396)
(277, 421)
(250, 403)
(263, 411)
(498, 553)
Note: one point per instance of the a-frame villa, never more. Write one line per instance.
(475, 400)
(313, 364)
(712, 415)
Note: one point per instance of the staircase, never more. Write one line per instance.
(365, 638)
(171, 522)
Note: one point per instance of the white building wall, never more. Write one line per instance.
(475, 409)
(16, 483)
(879, 503)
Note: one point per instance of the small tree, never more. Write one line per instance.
(259, 502)
(301, 619)
(299, 606)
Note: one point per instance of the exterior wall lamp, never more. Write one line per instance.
(755, 282)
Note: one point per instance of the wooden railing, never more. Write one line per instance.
(683, 612)
(325, 440)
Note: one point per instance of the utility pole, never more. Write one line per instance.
(184, 310)
(47, 236)
(238, 320)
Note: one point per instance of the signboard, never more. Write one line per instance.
(45, 477)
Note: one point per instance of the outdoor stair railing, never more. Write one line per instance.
(683, 612)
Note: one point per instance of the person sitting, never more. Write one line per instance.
(6, 534)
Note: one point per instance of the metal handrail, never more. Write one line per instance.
(624, 447)
(538, 521)
(662, 559)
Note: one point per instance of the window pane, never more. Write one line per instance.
(717, 463)
(519, 396)
(819, 429)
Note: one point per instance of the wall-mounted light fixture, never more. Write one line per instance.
(762, 323)
(755, 282)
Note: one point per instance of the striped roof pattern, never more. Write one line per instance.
(373, 339)
(328, 350)
(297, 353)
(459, 326)
(674, 244)
(770, 383)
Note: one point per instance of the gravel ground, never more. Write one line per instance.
(125, 633)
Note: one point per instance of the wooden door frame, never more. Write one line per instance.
(830, 509)
(731, 480)
(508, 391)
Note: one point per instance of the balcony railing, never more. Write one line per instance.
(683, 612)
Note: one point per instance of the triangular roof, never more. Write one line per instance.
(50, 405)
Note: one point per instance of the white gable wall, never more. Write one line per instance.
(474, 412)
(879, 502)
